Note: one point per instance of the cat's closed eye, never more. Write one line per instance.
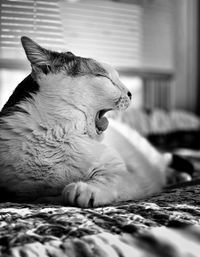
(100, 75)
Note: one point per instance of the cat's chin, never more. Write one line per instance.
(101, 122)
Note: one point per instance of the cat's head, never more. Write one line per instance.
(84, 84)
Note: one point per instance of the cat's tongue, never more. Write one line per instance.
(102, 123)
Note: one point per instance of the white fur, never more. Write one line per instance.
(54, 153)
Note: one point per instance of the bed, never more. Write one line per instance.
(165, 224)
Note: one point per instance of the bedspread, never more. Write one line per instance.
(167, 224)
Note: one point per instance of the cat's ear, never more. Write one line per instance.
(37, 55)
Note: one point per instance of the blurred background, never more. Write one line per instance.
(152, 43)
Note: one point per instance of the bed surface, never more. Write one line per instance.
(46, 230)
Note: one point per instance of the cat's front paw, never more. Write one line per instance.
(79, 194)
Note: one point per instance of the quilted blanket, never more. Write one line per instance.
(166, 224)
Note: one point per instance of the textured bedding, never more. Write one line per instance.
(166, 224)
(163, 225)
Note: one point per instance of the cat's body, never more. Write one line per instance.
(51, 141)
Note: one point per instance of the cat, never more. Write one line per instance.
(56, 144)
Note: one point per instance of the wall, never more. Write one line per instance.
(185, 54)
(9, 79)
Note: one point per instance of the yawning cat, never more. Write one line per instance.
(51, 136)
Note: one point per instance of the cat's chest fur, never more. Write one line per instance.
(33, 150)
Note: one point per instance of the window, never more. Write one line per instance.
(37, 19)
(123, 33)
(158, 35)
(110, 31)
(128, 34)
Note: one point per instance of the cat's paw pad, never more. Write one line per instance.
(79, 194)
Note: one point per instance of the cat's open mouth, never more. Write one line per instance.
(101, 122)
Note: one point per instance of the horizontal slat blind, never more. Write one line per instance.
(158, 34)
(106, 30)
(126, 34)
(38, 19)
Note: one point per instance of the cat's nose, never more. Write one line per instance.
(129, 95)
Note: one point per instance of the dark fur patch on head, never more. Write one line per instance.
(72, 65)
(59, 60)
(84, 66)
(22, 92)
(90, 66)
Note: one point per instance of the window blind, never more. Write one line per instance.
(158, 34)
(110, 31)
(126, 33)
(38, 19)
